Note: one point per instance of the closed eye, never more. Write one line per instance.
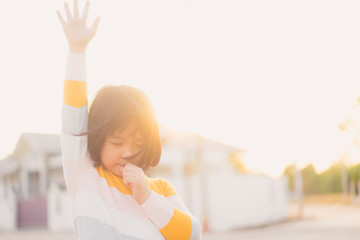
(116, 143)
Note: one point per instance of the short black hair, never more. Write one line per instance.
(116, 107)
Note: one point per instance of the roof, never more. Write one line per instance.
(8, 166)
(180, 139)
(47, 144)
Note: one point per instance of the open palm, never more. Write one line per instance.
(77, 33)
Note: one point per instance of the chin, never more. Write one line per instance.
(117, 173)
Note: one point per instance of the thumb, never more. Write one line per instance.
(95, 25)
(126, 182)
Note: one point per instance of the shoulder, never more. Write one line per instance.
(161, 186)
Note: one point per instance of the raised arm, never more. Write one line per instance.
(75, 109)
(77, 33)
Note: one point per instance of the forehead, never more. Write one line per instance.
(131, 131)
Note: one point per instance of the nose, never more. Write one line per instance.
(130, 153)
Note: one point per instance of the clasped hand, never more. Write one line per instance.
(134, 178)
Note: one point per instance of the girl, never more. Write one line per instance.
(106, 152)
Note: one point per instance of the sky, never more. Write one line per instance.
(273, 77)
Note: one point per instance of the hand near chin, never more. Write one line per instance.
(134, 178)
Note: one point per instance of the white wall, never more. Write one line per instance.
(59, 211)
(232, 200)
(238, 201)
(8, 210)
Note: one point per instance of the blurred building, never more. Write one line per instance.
(208, 175)
(27, 174)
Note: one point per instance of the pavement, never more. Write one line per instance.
(318, 222)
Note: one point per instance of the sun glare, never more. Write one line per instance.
(262, 79)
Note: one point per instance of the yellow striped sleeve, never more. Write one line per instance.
(75, 93)
(113, 181)
(178, 228)
(167, 188)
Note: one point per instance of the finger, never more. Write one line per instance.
(129, 173)
(86, 11)
(129, 166)
(95, 25)
(129, 181)
(67, 11)
(133, 167)
(61, 19)
(76, 8)
(127, 169)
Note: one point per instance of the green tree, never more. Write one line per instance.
(310, 180)
(289, 173)
(330, 180)
(354, 175)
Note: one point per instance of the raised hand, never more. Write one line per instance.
(134, 178)
(77, 33)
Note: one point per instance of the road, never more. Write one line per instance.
(319, 222)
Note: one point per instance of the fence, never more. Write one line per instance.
(231, 201)
(59, 211)
(8, 210)
(223, 201)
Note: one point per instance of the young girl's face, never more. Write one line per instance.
(121, 147)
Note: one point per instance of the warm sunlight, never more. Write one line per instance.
(186, 119)
(207, 69)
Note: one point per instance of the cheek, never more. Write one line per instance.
(107, 154)
(138, 160)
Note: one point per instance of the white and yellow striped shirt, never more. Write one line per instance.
(102, 206)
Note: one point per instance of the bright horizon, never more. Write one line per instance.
(275, 78)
